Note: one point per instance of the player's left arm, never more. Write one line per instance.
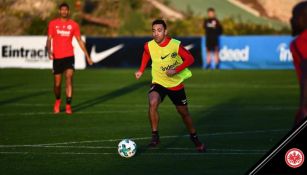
(187, 58)
(219, 27)
(296, 60)
(82, 46)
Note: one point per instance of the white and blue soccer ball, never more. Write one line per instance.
(126, 148)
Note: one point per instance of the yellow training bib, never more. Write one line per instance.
(163, 59)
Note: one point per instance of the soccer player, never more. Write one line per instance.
(60, 34)
(169, 68)
(213, 30)
(298, 49)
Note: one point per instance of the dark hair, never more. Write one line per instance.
(159, 21)
(210, 9)
(299, 18)
(64, 4)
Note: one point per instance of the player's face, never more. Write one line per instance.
(211, 14)
(158, 33)
(64, 12)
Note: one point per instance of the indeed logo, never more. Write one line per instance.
(228, 54)
(63, 32)
(284, 53)
(172, 66)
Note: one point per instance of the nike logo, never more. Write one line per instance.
(164, 56)
(97, 57)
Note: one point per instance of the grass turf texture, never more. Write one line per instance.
(239, 114)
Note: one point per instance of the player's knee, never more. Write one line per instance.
(57, 85)
(153, 103)
(183, 112)
(68, 81)
(69, 74)
(68, 77)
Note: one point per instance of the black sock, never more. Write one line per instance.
(195, 139)
(193, 135)
(68, 100)
(155, 134)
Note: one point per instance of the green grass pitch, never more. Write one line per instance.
(239, 114)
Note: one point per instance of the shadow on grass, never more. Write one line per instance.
(23, 97)
(208, 119)
(6, 87)
(109, 96)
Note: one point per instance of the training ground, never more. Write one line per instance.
(239, 114)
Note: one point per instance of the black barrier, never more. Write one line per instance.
(127, 51)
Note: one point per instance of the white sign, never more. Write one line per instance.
(30, 52)
(284, 53)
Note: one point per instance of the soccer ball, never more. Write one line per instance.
(126, 148)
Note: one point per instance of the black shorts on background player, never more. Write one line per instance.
(60, 65)
(213, 30)
(177, 97)
(212, 43)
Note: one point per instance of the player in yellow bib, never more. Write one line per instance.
(170, 61)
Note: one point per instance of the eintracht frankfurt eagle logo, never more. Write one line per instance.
(294, 158)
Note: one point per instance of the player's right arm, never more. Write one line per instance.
(145, 59)
(48, 45)
(49, 39)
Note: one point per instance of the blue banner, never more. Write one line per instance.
(253, 52)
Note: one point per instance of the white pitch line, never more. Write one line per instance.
(234, 86)
(106, 105)
(147, 154)
(104, 89)
(62, 153)
(55, 146)
(141, 109)
(228, 107)
(243, 132)
(145, 138)
(238, 150)
(109, 89)
(112, 147)
(200, 154)
(82, 113)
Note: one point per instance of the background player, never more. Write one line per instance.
(213, 30)
(299, 52)
(169, 68)
(60, 34)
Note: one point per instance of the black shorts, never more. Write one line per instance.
(60, 65)
(177, 97)
(212, 44)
